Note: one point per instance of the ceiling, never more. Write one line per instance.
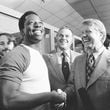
(53, 12)
(64, 12)
(99, 9)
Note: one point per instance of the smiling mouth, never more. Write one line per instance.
(63, 41)
(86, 40)
(37, 30)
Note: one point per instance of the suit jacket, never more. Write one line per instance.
(57, 80)
(97, 91)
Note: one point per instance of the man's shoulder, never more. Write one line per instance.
(20, 49)
(18, 54)
(80, 57)
(74, 53)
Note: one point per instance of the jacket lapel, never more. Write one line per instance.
(99, 70)
(56, 66)
(80, 73)
(83, 70)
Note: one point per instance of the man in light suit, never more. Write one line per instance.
(64, 39)
(94, 93)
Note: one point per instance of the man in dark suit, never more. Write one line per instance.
(93, 83)
(54, 62)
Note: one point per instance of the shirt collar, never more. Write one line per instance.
(67, 52)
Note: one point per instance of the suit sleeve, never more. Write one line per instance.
(69, 89)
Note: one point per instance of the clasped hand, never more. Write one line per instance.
(63, 94)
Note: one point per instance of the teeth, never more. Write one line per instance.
(37, 30)
(86, 40)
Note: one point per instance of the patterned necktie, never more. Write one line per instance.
(90, 65)
(65, 67)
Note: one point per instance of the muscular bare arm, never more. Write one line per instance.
(12, 99)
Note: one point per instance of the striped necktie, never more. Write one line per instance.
(65, 67)
(90, 65)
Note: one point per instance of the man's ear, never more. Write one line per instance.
(102, 37)
(43, 30)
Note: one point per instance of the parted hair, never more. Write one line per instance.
(98, 24)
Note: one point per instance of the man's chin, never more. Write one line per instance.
(88, 49)
(37, 40)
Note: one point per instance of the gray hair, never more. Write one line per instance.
(98, 24)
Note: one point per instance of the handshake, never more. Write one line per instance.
(63, 104)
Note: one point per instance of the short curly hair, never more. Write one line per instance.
(23, 18)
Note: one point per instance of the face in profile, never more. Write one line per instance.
(5, 45)
(33, 28)
(64, 39)
(90, 37)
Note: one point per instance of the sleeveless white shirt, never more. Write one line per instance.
(35, 78)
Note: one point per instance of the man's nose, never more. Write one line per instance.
(63, 37)
(37, 24)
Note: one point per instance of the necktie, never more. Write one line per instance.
(65, 67)
(90, 65)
